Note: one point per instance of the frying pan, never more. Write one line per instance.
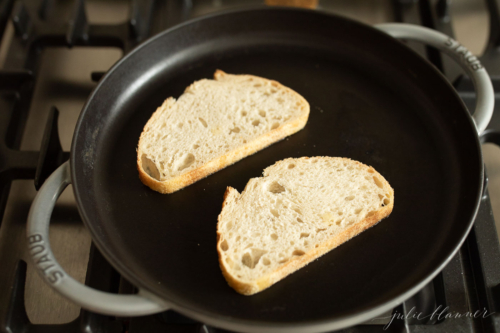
(372, 99)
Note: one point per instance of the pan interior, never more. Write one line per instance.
(372, 100)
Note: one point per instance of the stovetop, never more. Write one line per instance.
(53, 53)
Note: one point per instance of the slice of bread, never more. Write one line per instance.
(215, 123)
(301, 209)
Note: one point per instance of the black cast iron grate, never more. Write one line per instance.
(469, 283)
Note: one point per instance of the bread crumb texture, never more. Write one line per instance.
(299, 210)
(215, 123)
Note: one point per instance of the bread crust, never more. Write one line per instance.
(251, 147)
(296, 263)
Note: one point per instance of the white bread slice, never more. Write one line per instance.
(301, 209)
(215, 123)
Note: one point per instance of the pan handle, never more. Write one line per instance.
(39, 249)
(482, 83)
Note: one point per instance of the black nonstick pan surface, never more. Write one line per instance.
(372, 99)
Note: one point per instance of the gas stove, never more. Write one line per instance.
(54, 52)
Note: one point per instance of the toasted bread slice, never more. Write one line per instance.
(299, 210)
(215, 123)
